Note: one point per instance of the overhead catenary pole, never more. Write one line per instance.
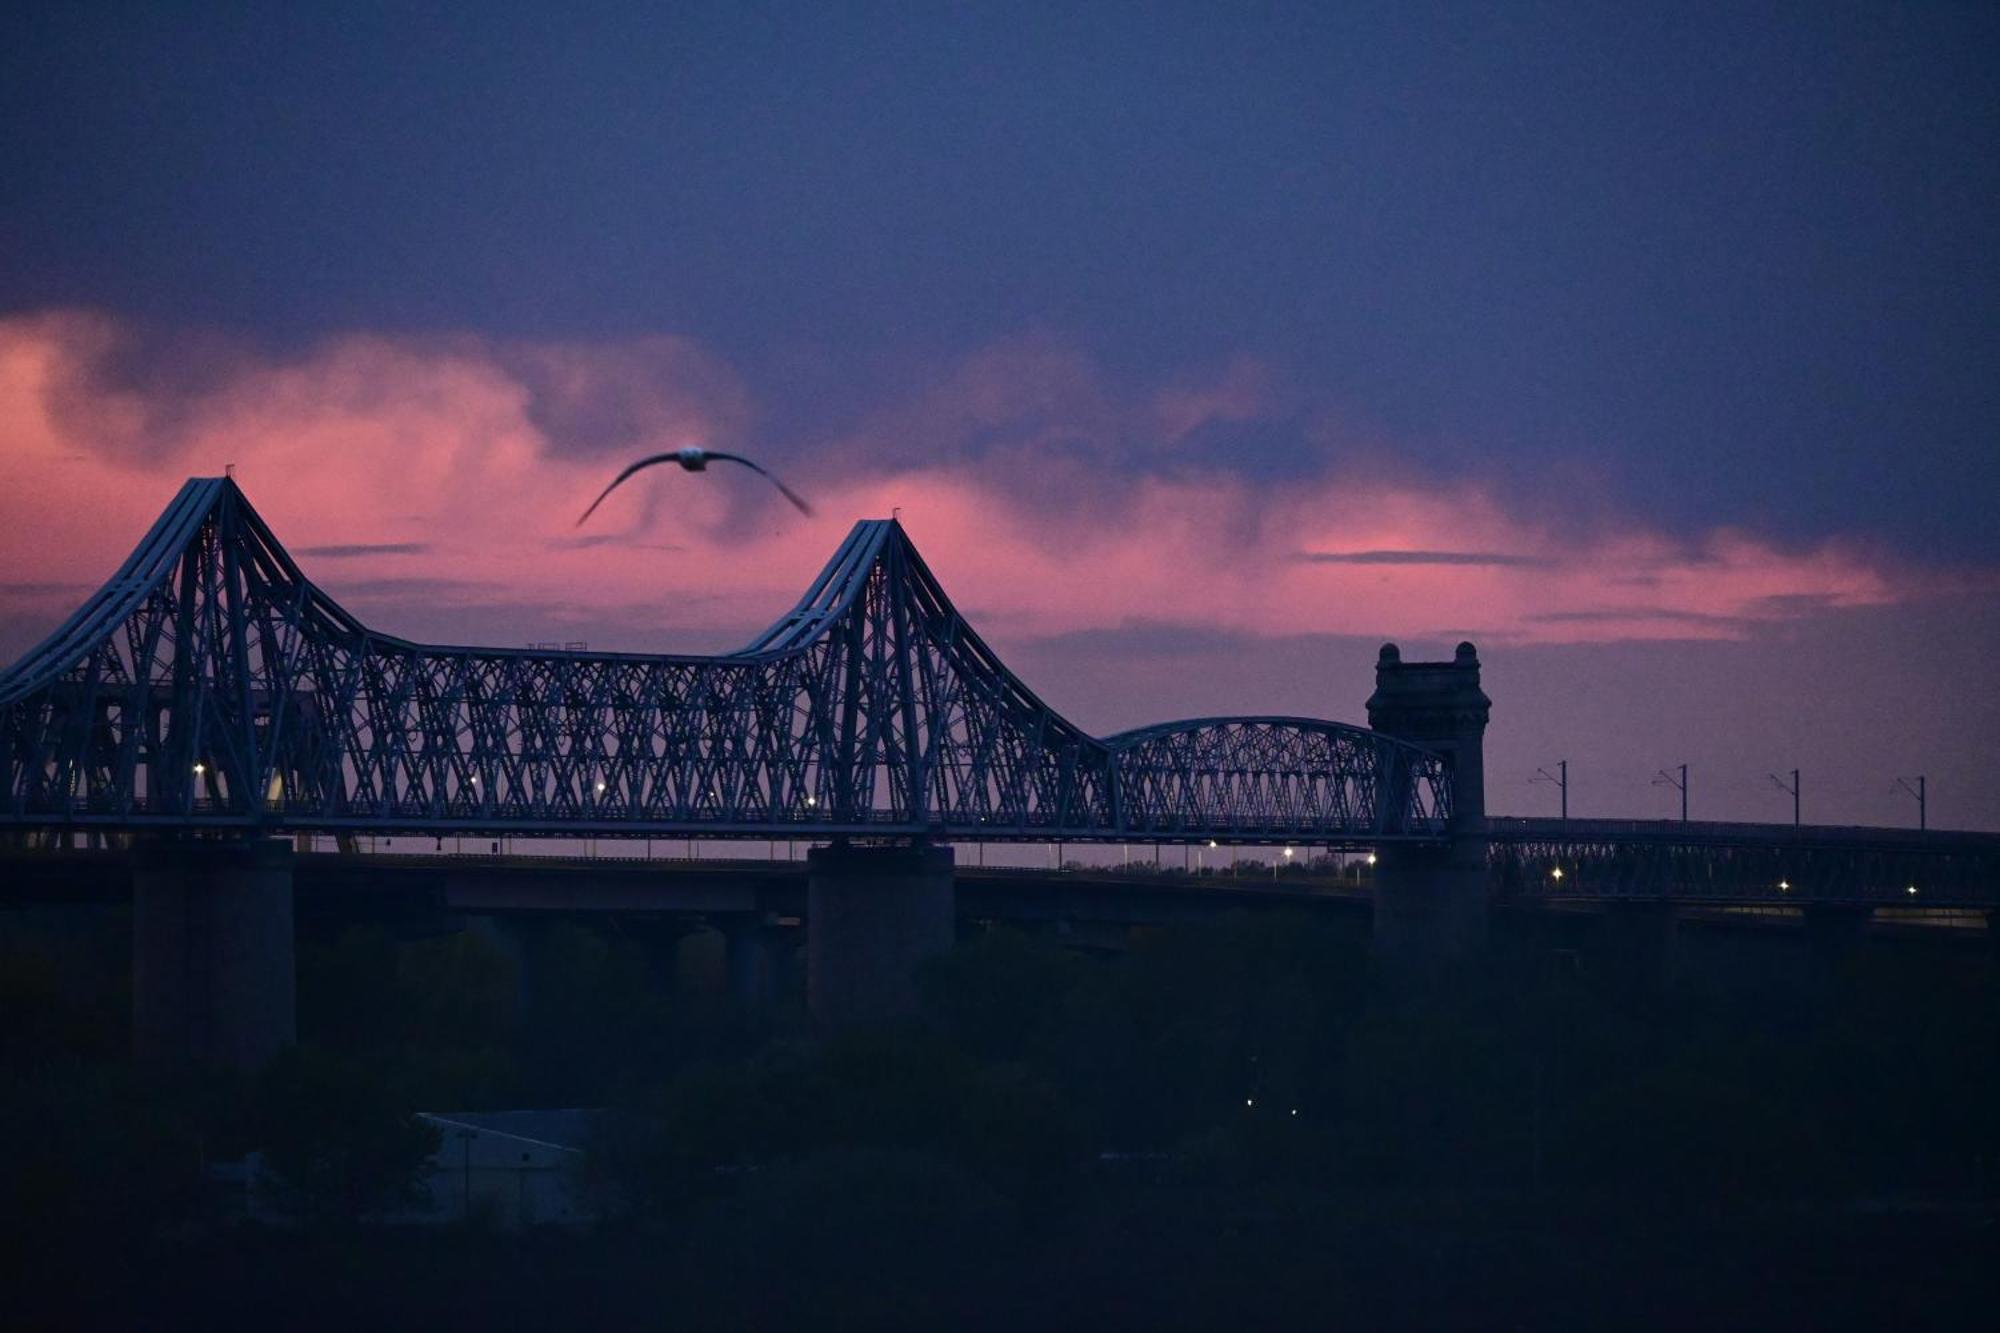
(1560, 778)
(1923, 799)
(1793, 788)
(1666, 779)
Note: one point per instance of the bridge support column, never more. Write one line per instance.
(1430, 914)
(1431, 903)
(750, 962)
(514, 940)
(872, 915)
(213, 962)
(659, 938)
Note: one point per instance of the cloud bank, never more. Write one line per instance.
(433, 483)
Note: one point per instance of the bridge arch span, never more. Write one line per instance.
(1274, 778)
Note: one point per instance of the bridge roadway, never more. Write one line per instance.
(395, 885)
(1602, 861)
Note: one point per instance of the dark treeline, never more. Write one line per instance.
(1216, 1126)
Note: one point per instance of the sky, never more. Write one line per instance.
(1200, 348)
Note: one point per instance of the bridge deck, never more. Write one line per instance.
(1784, 877)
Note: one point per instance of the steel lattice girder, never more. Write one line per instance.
(210, 684)
(1742, 863)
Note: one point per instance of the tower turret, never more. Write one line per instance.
(1440, 706)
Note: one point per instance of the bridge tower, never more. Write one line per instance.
(1430, 903)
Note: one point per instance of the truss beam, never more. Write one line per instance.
(211, 685)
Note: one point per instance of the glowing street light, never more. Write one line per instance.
(200, 768)
(1557, 873)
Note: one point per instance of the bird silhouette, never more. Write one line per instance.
(694, 458)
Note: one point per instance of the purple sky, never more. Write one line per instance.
(1203, 347)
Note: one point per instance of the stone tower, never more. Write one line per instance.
(1430, 903)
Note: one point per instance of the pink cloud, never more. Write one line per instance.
(1242, 392)
(462, 463)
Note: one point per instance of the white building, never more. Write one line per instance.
(511, 1169)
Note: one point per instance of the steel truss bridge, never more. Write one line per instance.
(211, 686)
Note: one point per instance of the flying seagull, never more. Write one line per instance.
(694, 458)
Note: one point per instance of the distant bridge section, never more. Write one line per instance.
(211, 686)
(1770, 864)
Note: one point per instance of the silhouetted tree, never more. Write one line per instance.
(339, 1139)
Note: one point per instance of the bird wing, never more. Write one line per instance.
(618, 481)
(797, 500)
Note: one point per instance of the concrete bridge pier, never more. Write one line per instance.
(1431, 903)
(872, 915)
(659, 937)
(751, 961)
(1431, 914)
(213, 952)
(520, 941)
